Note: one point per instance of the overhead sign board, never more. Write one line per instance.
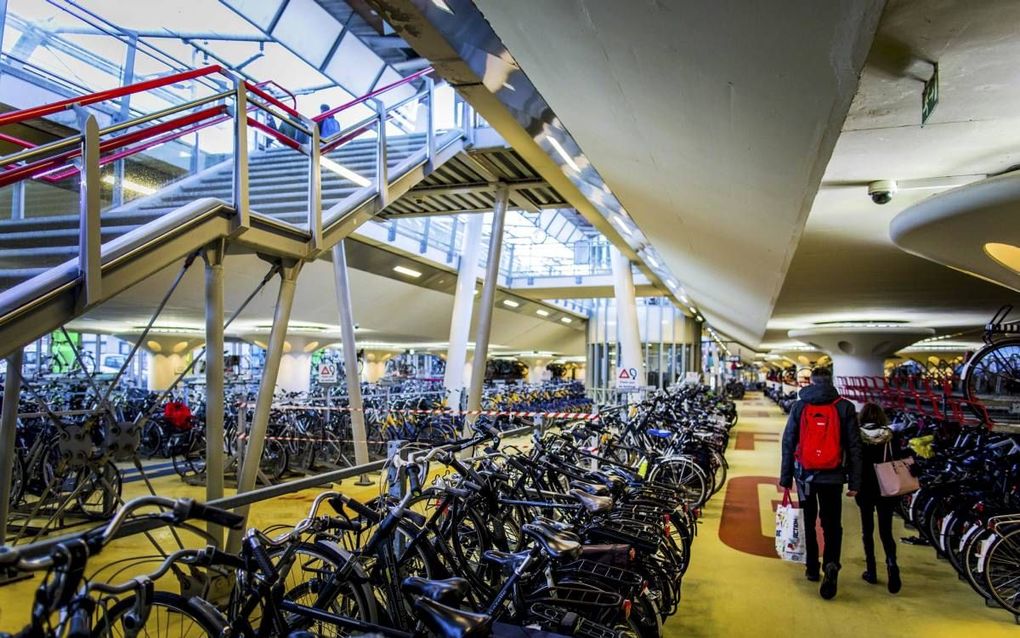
(930, 95)
(627, 379)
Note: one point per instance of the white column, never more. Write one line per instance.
(463, 302)
(169, 355)
(350, 348)
(487, 304)
(626, 317)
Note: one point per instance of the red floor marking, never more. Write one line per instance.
(746, 440)
(743, 516)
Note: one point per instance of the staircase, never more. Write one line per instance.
(278, 185)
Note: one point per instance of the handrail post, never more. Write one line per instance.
(89, 239)
(241, 193)
(382, 179)
(314, 187)
(467, 121)
(430, 122)
(18, 200)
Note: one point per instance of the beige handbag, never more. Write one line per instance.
(894, 477)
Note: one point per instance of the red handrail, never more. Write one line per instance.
(15, 140)
(48, 164)
(369, 96)
(254, 88)
(48, 109)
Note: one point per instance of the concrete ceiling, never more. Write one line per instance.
(387, 310)
(846, 267)
(711, 121)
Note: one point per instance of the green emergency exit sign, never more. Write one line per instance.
(930, 96)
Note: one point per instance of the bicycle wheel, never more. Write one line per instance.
(100, 492)
(1002, 571)
(992, 379)
(314, 580)
(682, 473)
(151, 440)
(17, 479)
(189, 455)
(170, 615)
(275, 459)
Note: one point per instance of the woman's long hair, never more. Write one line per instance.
(873, 413)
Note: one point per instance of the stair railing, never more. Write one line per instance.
(87, 152)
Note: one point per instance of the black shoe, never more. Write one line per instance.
(811, 573)
(894, 579)
(829, 578)
(870, 577)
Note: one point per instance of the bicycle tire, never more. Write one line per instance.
(1001, 568)
(186, 614)
(1001, 409)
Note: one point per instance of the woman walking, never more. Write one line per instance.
(876, 437)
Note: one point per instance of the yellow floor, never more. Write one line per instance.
(728, 592)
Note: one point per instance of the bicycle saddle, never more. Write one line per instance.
(660, 433)
(592, 503)
(448, 591)
(449, 622)
(613, 481)
(591, 488)
(559, 545)
(506, 559)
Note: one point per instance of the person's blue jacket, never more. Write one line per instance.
(328, 126)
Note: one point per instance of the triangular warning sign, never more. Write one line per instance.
(623, 374)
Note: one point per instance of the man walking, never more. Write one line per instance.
(822, 451)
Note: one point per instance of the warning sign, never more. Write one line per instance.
(327, 373)
(627, 379)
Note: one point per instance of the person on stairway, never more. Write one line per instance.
(822, 451)
(877, 448)
(329, 126)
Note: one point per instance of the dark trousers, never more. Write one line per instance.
(825, 501)
(885, 507)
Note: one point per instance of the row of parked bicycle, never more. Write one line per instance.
(588, 534)
(968, 506)
(67, 448)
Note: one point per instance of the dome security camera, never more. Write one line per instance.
(881, 192)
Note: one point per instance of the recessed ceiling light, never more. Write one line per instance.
(562, 152)
(567, 320)
(407, 271)
(510, 303)
(693, 310)
(684, 299)
(622, 225)
(542, 313)
(346, 173)
(1006, 255)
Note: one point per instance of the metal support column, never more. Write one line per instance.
(487, 304)
(628, 355)
(267, 387)
(8, 436)
(463, 301)
(18, 200)
(214, 371)
(89, 241)
(350, 349)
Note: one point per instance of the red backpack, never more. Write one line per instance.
(819, 446)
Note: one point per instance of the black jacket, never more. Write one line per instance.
(850, 438)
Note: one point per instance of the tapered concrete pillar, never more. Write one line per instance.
(629, 358)
(168, 356)
(463, 302)
(860, 351)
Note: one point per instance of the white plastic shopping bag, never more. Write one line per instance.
(789, 530)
